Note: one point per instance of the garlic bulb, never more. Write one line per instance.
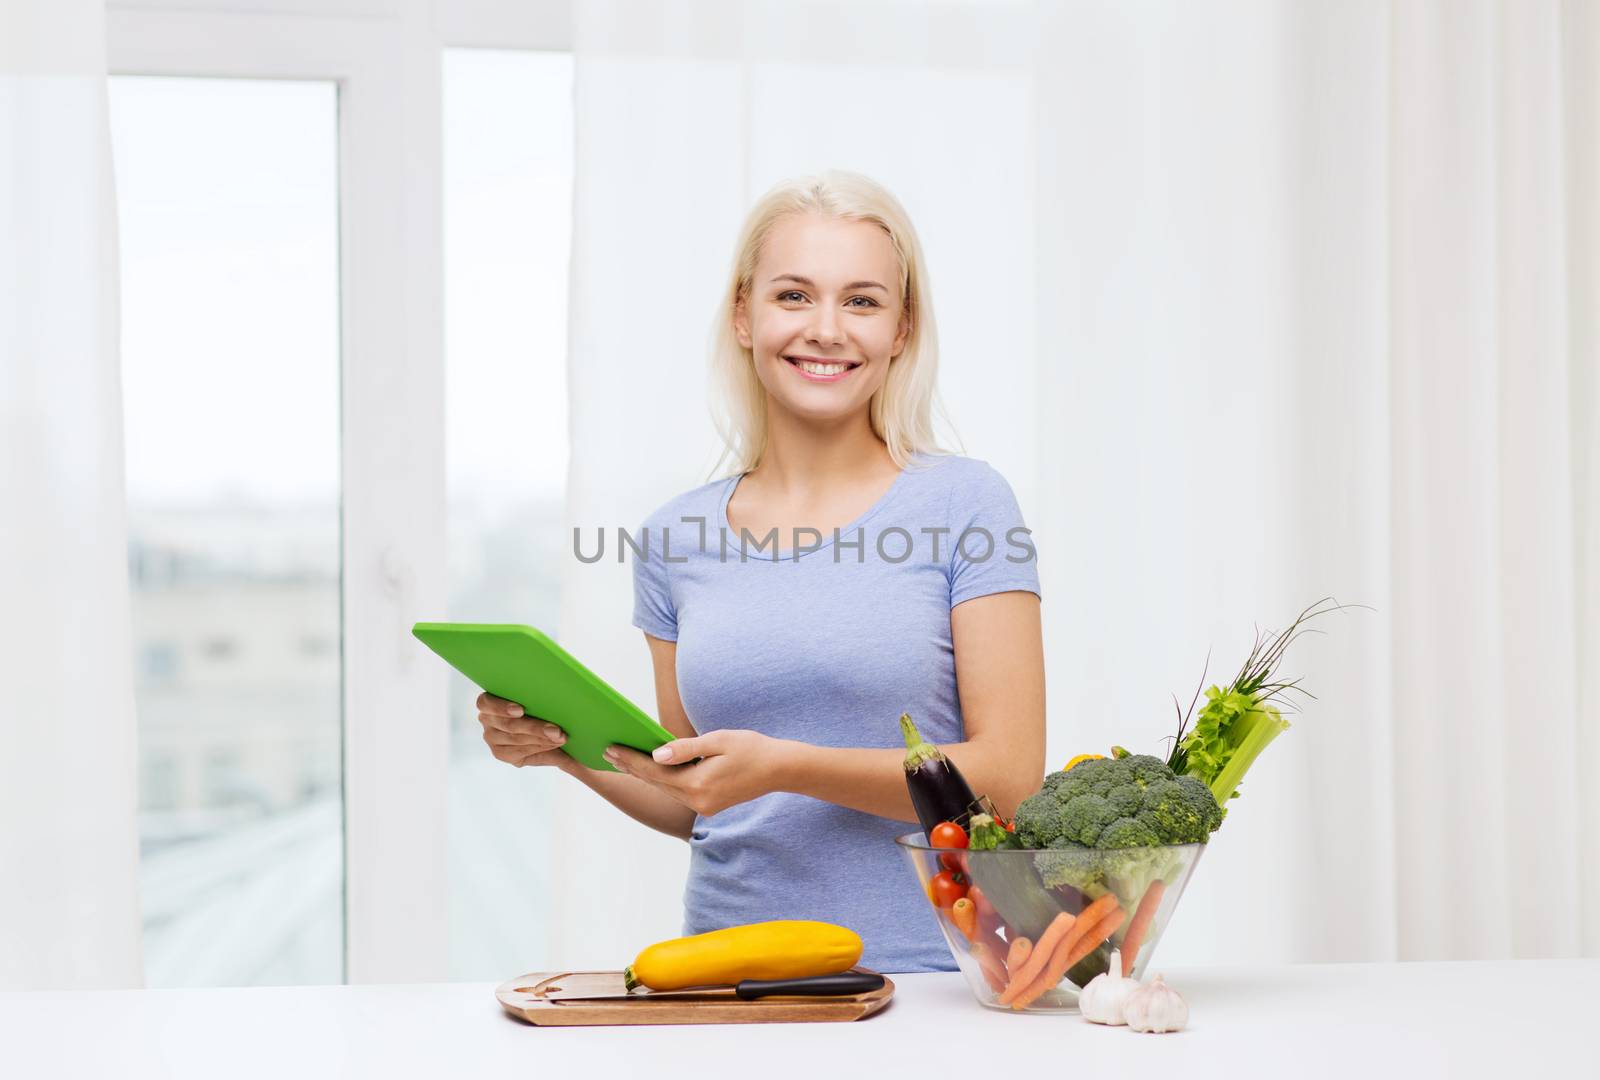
(1155, 1006)
(1102, 1000)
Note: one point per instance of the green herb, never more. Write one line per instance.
(1240, 720)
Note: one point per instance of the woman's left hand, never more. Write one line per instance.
(735, 766)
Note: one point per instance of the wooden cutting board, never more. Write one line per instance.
(524, 997)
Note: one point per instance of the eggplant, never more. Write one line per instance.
(938, 790)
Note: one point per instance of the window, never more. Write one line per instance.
(315, 645)
(158, 661)
(227, 202)
(508, 197)
(219, 649)
(158, 782)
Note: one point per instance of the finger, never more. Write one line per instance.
(488, 703)
(627, 759)
(681, 751)
(540, 739)
(528, 725)
(515, 752)
(496, 722)
(511, 755)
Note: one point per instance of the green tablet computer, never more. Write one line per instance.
(521, 664)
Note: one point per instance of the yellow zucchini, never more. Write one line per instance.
(780, 949)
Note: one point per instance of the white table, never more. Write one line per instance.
(1420, 1020)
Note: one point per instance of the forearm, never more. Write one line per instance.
(874, 781)
(645, 803)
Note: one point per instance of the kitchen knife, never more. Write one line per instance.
(841, 985)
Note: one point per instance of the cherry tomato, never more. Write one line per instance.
(945, 890)
(953, 861)
(947, 834)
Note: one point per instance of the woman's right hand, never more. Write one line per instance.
(517, 739)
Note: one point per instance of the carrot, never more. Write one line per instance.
(1047, 978)
(1075, 929)
(1091, 941)
(1018, 953)
(1141, 925)
(989, 962)
(964, 913)
(989, 921)
(1059, 927)
(1068, 951)
(1096, 911)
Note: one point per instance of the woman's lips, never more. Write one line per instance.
(818, 378)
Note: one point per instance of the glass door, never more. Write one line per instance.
(227, 195)
(507, 147)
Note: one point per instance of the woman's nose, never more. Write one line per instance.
(825, 328)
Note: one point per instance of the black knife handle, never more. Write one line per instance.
(847, 982)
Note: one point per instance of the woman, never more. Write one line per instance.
(794, 609)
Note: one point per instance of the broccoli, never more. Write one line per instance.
(984, 833)
(1096, 871)
(1134, 801)
(1133, 804)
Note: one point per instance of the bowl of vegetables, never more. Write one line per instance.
(1094, 863)
(1029, 925)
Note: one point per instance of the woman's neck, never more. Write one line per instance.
(803, 459)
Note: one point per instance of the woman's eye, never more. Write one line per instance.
(870, 301)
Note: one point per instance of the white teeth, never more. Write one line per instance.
(821, 369)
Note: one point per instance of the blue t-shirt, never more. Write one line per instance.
(828, 643)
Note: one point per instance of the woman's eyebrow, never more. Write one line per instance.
(808, 281)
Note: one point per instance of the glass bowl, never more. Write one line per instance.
(1019, 893)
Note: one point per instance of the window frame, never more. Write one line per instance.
(386, 59)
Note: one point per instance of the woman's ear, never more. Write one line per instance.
(901, 336)
(741, 323)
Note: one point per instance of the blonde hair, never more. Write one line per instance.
(901, 412)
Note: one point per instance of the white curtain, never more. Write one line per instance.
(1252, 303)
(69, 902)
(1333, 305)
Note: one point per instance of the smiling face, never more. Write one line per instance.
(824, 315)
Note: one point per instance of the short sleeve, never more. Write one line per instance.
(654, 611)
(992, 549)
